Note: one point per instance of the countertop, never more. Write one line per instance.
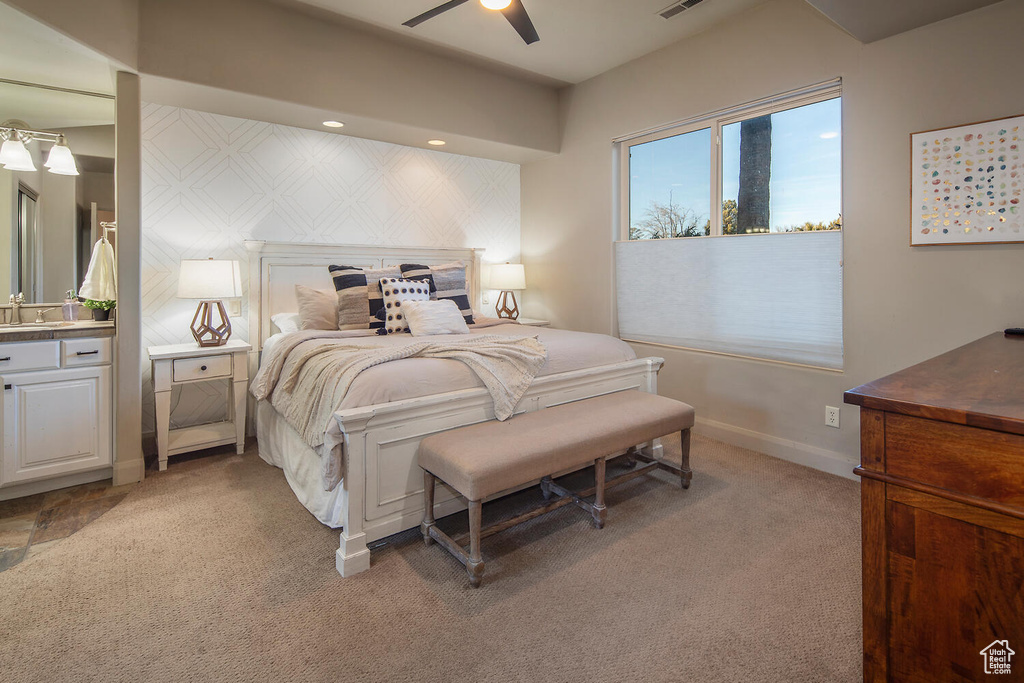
(32, 332)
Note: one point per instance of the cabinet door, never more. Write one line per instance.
(955, 586)
(55, 423)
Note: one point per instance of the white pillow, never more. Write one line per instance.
(434, 317)
(397, 293)
(287, 322)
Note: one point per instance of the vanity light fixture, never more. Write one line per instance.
(15, 156)
(435, 142)
(496, 4)
(60, 160)
(334, 124)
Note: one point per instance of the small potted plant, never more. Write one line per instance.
(100, 309)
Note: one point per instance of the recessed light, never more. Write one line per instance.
(829, 135)
(495, 4)
(333, 124)
(435, 143)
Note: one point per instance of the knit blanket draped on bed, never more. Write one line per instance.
(317, 379)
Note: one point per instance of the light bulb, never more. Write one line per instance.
(15, 157)
(495, 4)
(60, 160)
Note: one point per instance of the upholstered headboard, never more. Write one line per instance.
(276, 267)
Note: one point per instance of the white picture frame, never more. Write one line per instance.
(967, 184)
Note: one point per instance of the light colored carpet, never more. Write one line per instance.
(212, 571)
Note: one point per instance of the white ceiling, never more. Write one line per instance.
(579, 39)
(871, 20)
(34, 53)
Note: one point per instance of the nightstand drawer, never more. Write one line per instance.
(208, 367)
(78, 352)
(42, 355)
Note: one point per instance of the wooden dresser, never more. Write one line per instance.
(942, 512)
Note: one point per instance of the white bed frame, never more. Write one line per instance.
(383, 487)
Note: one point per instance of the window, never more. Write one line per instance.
(765, 279)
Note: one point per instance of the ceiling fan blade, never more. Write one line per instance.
(520, 20)
(430, 14)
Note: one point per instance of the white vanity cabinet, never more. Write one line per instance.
(56, 408)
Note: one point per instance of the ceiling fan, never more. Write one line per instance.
(513, 11)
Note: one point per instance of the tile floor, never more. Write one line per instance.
(34, 523)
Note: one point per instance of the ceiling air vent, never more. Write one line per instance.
(677, 7)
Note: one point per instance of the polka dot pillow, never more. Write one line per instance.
(396, 290)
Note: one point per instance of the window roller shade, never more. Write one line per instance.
(775, 296)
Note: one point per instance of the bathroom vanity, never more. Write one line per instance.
(57, 420)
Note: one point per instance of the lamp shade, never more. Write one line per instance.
(15, 157)
(209, 279)
(61, 161)
(507, 276)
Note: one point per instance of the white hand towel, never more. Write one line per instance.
(100, 283)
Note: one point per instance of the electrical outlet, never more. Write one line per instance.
(486, 297)
(832, 416)
(234, 307)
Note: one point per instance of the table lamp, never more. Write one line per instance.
(507, 277)
(210, 280)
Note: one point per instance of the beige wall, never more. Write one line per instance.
(110, 27)
(902, 305)
(254, 47)
(58, 219)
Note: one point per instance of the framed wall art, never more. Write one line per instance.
(967, 184)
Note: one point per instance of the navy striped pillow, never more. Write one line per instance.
(359, 295)
(447, 281)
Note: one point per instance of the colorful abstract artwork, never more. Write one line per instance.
(967, 184)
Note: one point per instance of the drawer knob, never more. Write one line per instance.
(203, 368)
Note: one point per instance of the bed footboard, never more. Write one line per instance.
(383, 483)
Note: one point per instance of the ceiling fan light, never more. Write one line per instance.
(496, 4)
(61, 161)
(15, 157)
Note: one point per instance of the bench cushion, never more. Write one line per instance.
(486, 458)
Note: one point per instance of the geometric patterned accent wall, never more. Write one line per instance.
(211, 181)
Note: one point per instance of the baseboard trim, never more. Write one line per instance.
(822, 459)
(63, 481)
(129, 471)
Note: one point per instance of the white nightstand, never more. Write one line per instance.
(178, 364)
(533, 322)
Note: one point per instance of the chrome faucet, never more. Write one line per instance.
(16, 302)
(40, 312)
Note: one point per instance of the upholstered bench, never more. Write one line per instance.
(490, 457)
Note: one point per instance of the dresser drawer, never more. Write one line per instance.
(92, 351)
(968, 460)
(188, 369)
(42, 355)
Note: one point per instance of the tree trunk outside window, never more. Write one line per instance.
(754, 198)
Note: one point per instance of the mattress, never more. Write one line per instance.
(415, 377)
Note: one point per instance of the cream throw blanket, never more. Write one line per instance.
(319, 377)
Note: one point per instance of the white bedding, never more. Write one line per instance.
(411, 378)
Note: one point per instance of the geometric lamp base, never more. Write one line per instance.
(504, 309)
(208, 332)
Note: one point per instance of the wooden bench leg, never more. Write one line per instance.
(428, 507)
(545, 488)
(685, 473)
(600, 512)
(475, 566)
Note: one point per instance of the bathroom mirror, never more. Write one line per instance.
(50, 220)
